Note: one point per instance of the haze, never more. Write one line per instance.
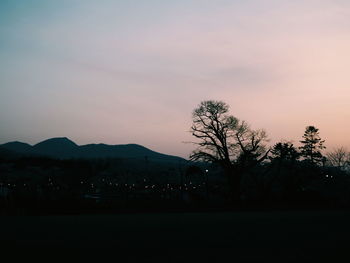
(132, 71)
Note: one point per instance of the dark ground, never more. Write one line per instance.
(299, 236)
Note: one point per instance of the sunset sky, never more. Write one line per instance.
(132, 71)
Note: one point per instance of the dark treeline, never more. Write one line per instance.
(282, 175)
(232, 168)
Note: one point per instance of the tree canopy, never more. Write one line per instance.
(222, 137)
(227, 141)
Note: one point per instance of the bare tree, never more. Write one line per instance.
(227, 141)
(339, 157)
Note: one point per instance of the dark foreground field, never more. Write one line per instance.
(177, 237)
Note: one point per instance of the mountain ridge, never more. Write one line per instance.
(64, 148)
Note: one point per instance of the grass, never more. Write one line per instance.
(294, 236)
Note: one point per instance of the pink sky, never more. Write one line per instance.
(132, 72)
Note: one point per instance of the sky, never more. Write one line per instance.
(130, 71)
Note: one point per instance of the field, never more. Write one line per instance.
(298, 236)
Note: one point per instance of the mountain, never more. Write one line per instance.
(18, 147)
(122, 151)
(63, 148)
(8, 154)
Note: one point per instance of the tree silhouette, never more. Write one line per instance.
(339, 158)
(284, 151)
(227, 141)
(312, 145)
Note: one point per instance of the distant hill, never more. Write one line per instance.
(8, 154)
(18, 147)
(63, 148)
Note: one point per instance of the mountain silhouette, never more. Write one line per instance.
(18, 147)
(57, 147)
(63, 148)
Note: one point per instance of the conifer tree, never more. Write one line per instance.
(312, 145)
